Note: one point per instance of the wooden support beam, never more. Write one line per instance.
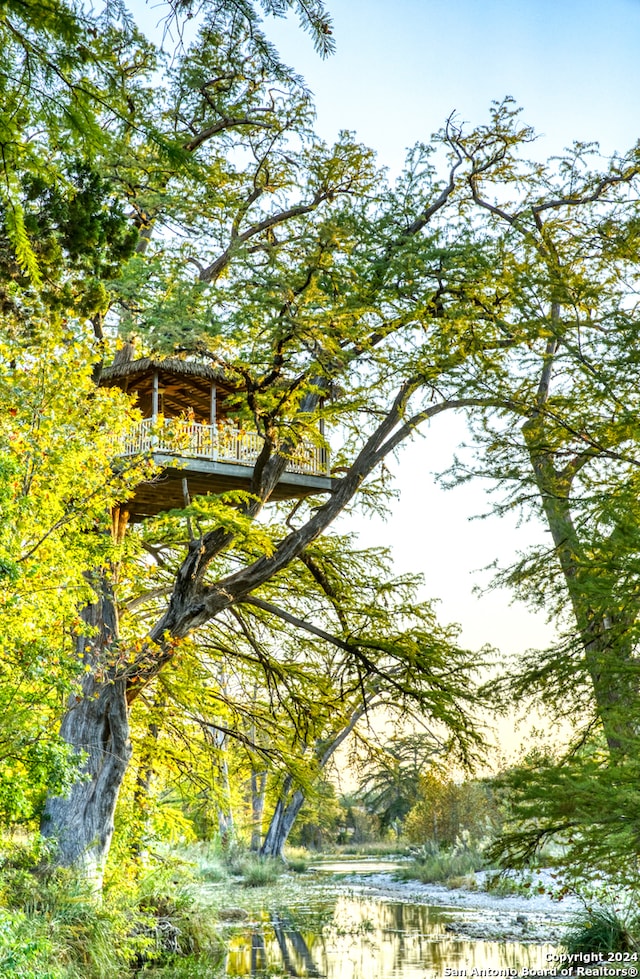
(119, 520)
(212, 405)
(154, 396)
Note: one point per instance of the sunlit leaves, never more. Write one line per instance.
(58, 440)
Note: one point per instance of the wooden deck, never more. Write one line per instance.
(212, 459)
(219, 443)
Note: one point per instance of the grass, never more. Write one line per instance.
(298, 864)
(603, 930)
(298, 859)
(454, 868)
(195, 967)
(214, 866)
(259, 872)
(53, 927)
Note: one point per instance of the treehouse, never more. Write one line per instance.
(189, 429)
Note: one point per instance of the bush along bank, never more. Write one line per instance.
(53, 926)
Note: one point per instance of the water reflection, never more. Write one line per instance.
(365, 865)
(352, 937)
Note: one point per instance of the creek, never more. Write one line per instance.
(366, 926)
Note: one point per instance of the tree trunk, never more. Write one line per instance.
(284, 816)
(226, 828)
(258, 789)
(288, 806)
(96, 725)
(605, 632)
(224, 809)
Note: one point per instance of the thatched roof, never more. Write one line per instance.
(184, 385)
(168, 365)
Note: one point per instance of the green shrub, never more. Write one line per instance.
(173, 921)
(298, 864)
(255, 871)
(261, 871)
(87, 938)
(54, 928)
(602, 930)
(432, 865)
(25, 952)
(166, 891)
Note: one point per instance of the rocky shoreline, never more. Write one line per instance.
(482, 916)
(479, 915)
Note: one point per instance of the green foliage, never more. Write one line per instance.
(446, 811)
(283, 710)
(214, 864)
(298, 289)
(558, 436)
(505, 883)
(602, 930)
(580, 800)
(358, 828)
(391, 783)
(318, 823)
(57, 484)
(174, 919)
(80, 238)
(454, 867)
(64, 76)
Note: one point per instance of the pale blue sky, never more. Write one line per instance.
(401, 68)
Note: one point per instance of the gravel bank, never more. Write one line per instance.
(482, 915)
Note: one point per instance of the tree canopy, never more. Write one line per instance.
(185, 207)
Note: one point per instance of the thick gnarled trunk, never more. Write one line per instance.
(82, 822)
(96, 725)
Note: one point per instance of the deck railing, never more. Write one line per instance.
(224, 442)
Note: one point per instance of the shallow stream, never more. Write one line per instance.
(343, 929)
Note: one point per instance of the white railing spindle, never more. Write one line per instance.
(225, 442)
